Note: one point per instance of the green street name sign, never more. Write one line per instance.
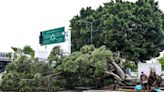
(53, 36)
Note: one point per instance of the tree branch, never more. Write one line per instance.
(115, 76)
(44, 77)
(118, 69)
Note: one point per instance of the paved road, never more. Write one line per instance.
(101, 91)
(90, 91)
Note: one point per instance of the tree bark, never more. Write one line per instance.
(120, 72)
(115, 76)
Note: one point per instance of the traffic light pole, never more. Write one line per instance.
(40, 38)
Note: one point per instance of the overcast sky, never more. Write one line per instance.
(22, 20)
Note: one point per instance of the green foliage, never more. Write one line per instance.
(161, 60)
(25, 75)
(16, 49)
(55, 55)
(134, 29)
(130, 64)
(18, 52)
(28, 50)
(85, 68)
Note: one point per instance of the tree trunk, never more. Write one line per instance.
(120, 72)
(115, 76)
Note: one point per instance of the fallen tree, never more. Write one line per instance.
(92, 67)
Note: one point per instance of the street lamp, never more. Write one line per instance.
(91, 24)
(91, 28)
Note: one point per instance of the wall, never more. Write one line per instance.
(145, 67)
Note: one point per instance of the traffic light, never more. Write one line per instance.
(40, 38)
